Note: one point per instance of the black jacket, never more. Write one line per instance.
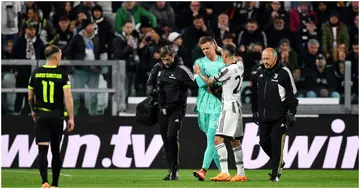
(273, 93)
(173, 83)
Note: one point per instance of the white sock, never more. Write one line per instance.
(238, 154)
(223, 156)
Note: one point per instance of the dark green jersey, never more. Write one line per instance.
(48, 83)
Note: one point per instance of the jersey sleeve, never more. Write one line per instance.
(31, 82)
(198, 79)
(224, 75)
(66, 81)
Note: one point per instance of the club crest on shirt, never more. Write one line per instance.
(172, 76)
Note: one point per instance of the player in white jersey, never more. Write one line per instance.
(230, 121)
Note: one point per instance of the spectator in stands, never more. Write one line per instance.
(350, 12)
(64, 35)
(252, 59)
(45, 29)
(193, 33)
(227, 39)
(8, 79)
(186, 17)
(31, 47)
(177, 44)
(333, 33)
(131, 11)
(322, 13)
(288, 57)
(276, 32)
(341, 47)
(242, 15)
(252, 34)
(164, 14)
(85, 46)
(9, 21)
(125, 48)
(84, 7)
(105, 32)
(354, 31)
(307, 57)
(300, 15)
(321, 81)
(271, 13)
(307, 31)
(62, 9)
(354, 58)
(222, 27)
(25, 8)
(149, 49)
(81, 17)
(340, 75)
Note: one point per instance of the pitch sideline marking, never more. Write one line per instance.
(65, 175)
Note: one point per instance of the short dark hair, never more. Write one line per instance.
(230, 48)
(166, 51)
(253, 21)
(206, 39)
(229, 35)
(50, 50)
(126, 21)
(197, 17)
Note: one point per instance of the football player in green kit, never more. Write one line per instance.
(208, 106)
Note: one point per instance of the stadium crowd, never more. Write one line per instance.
(312, 39)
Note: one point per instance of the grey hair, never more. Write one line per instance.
(313, 42)
(273, 52)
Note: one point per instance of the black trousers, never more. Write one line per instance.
(272, 140)
(170, 123)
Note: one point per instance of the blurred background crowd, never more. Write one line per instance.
(313, 39)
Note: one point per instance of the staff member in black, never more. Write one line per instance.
(50, 86)
(169, 82)
(274, 107)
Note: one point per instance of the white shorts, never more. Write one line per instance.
(230, 124)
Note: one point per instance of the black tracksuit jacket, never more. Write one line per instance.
(273, 93)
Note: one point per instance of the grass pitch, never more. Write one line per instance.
(120, 178)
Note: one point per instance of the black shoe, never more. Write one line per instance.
(274, 177)
(282, 166)
(174, 175)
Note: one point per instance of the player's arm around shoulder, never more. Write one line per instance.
(69, 103)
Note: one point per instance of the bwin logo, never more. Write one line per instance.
(305, 150)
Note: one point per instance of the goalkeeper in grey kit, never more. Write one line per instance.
(274, 105)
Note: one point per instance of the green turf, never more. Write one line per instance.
(118, 178)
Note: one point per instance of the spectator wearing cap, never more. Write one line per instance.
(252, 34)
(276, 32)
(132, 11)
(126, 48)
(333, 33)
(194, 32)
(30, 47)
(177, 44)
(185, 18)
(321, 81)
(105, 31)
(164, 14)
(307, 57)
(85, 46)
(288, 56)
(222, 27)
(275, 10)
(299, 16)
(45, 29)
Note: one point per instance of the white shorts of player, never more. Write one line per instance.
(230, 122)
